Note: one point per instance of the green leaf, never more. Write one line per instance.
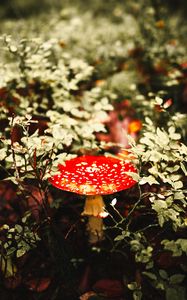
(132, 286)
(178, 185)
(176, 278)
(147, 141)
(137, 295)
(183, 168)
(148, 121)
(179, 195)
(119, 238)
(149, 179)
(2, 154)
(175, 293)
(163, 274)
(134, 175)
(164, 138)
(175, 177)
(18, 228)
(20, 252)
(183, 244)
(7, 267)
(150, 275)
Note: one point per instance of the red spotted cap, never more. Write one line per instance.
(94, 175)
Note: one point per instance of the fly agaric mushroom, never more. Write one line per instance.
(94, 176)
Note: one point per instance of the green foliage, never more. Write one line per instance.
(18, 240)
(169, 284)
(161, 158)
(137, 293)
(177, 247)
(61, 76)
(25, 240)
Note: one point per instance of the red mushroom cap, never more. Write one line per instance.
(94, 175)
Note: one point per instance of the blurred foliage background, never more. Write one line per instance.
(21, 9)
(74, 75)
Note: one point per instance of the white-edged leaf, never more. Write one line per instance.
(183, 168)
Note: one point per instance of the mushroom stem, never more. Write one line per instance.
(95, 229)
(94, 206)
(94, 209)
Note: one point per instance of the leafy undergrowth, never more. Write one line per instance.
(101, 81)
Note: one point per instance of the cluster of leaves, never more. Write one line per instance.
(154, 228)
(20, 239)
